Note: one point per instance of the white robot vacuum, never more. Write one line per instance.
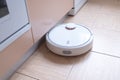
(69, 39)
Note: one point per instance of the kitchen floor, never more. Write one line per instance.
(102, 17)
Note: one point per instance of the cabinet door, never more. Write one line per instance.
(14, 52)
(44, 14)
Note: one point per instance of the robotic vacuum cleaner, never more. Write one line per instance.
(69, 39)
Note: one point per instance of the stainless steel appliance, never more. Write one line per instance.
(13, 21)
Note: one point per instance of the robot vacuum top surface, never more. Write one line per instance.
(69, 35)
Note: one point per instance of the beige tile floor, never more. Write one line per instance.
(102, 17)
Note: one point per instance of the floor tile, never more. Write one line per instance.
(106, 41)
(116, 23)
(47, 64)
(110, 7)
(94, 66)
(105, 27)
(18, 76)
(105, 21)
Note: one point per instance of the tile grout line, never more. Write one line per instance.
(106, 54)
(27, 76)
(70, 72)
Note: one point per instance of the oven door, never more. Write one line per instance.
(13, 19)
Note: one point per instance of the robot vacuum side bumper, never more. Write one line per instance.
(69, 51)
